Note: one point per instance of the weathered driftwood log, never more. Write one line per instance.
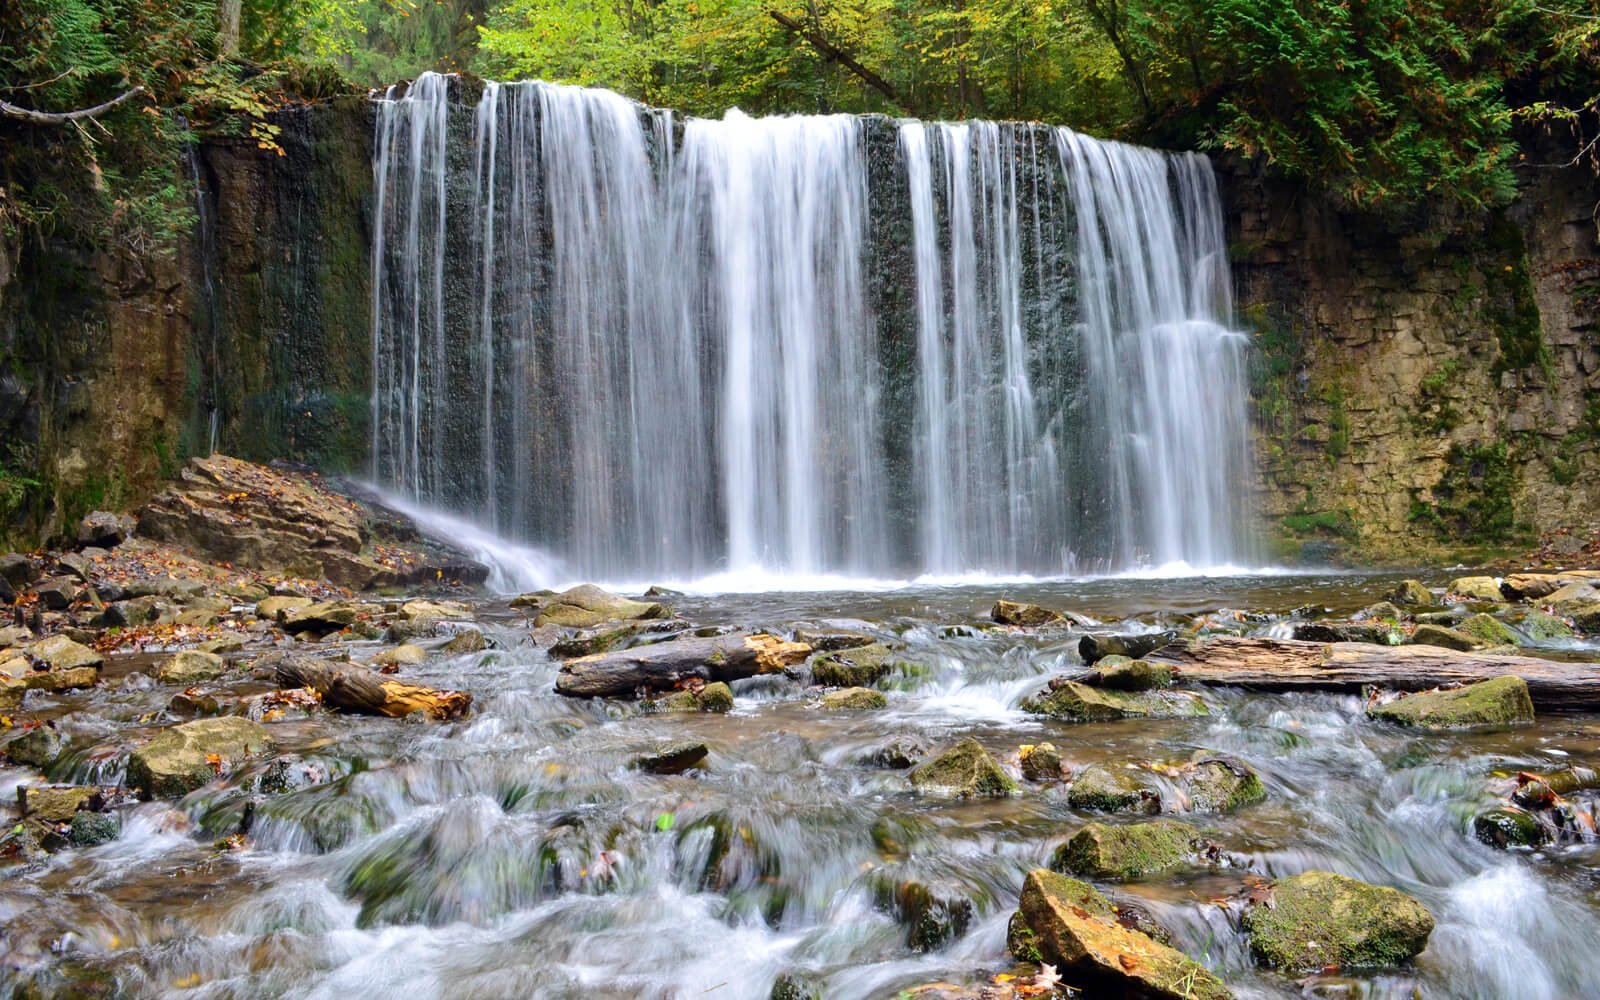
(665, 665)
(1287, 664)
(357, 689)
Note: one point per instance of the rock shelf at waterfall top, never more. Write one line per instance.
(841, 795)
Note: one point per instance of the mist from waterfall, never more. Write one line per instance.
(801, 345)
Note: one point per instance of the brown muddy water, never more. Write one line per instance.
(516, 855)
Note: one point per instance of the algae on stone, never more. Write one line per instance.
(716, 697)
(1075, 702)
(965, 769)
(1132, 675)
(1410, 592)
(859, 666)
(1102, 789)
(1488, 630)
(1319, 919)
(1123, 852)
(855, 699)
(1446, 638)
(1498, 702)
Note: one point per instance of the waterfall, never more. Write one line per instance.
(810, 344)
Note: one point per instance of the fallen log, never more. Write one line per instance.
(1291, 665)
(666, 665)
(367, 692)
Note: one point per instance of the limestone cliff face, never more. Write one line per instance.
(117, 366)
(1421, 396)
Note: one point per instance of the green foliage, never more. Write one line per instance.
(1327, 522)
(1436, 413)
(1473, 501)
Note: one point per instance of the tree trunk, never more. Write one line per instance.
(367, 692)
(1290, 665)
(663, 666)
(229, 16)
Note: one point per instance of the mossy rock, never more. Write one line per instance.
(1539, 626)
(598, 641)
(176, 762)
(1502, 701)
(1477, 588)
(1102, 789)
(1042, 762)
(1132, 675)
(1410, 592)
(1069, 925)
(1488, 630)
(1220, 783)
(468, 640)
(1071, 701)
(1445, 638)
(191, 666)
(91, 829)
(931, 914)
(716, 697)
(1319, 919)
(38, 747)
(860, 666)
(1130, 851)
(965, 769)
(855, 699)
(795, 986)
(1508, 826)
(403, 655)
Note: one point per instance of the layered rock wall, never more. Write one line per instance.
(1420, 396)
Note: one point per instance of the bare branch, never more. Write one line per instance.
(9, 110)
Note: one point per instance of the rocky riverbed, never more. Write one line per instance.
(267, 739)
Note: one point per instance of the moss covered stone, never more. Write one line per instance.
(1508, 826)
(1498, 702)
(1132, 675)
(180, 759)
(1410, 592)
(1069, 925)
(1041, 763)
(857, 667)
(1120, 852)
(1319, 919)
(965, 769)
(1220, 783)
(1488, 630)
(716, 697)
(1538, 625)
(1102, 789)
(1445, 638)
(1075, 702)
(1011, 613)
(858, 699)
(190, 667)
(1477, 588)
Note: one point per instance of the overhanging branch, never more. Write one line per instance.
(833, 53)
(10, 110)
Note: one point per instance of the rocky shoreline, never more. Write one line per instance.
(264, 597)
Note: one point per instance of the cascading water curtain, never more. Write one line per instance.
(801, 344)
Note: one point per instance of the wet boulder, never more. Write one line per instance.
(1041, 762)
(103, 529)
(403, 655)
(795, 986)
(319, 619)
(1446, 638)
(1318, 919)
(964, 769)
(860, 666)
(673, 758)
(1410, 592)
(91, 829)
(1129, 851)
(1074, 702)
(717, 697)
(586, 605)
(1099, 788)
(279, 607)
(1539, 626)
(1509, 826)
(1501, 701)
(1532, 586)
(1093, 648)
(1488, 630)
(468, 640)
(190, 667)
(900, 752)
(931, 913)
(56, 803)
(1131, 675)
(595, 641)
(1067, 924)
(856, 699)
(1011, 613)
(36, 747)
(1477, 588)
(17, 569)
(187, 756)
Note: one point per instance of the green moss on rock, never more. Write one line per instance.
(1488, 630)
(965, 769)
(1122, 852)
(857, 699)
(1133, 675)
(1499, 702)
(858, 667)
(1075, 702)
(1319, 919)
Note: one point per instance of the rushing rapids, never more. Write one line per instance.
(801, 344)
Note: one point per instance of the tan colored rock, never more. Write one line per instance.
(191, 666)
(1477, 588)
(55, 803)
(277, 608)
(433, 610)
(60, 653)
(404, 655)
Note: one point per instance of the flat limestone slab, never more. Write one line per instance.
(1292, 665)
